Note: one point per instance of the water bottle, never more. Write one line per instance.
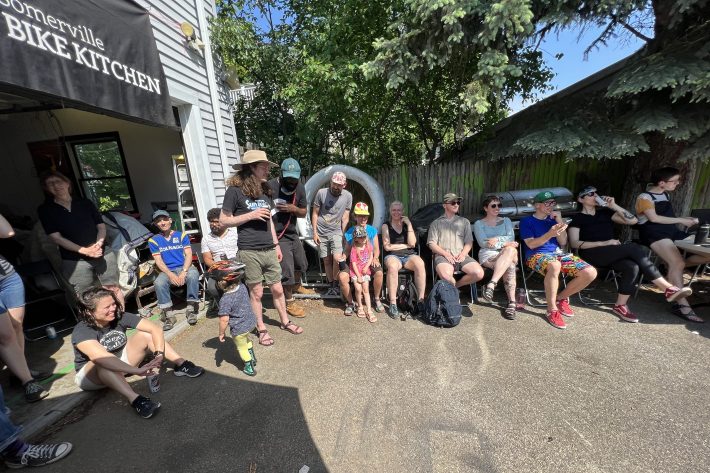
(153, 382)
(520, 298)
(51, 332)
(702, 235)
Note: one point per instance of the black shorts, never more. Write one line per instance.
(294, 259)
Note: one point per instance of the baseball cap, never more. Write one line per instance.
(339, 178)
(291, 168)
(359, 232)
(160, 213)
(361, 208)
(586, 191)
(543, 196)
(451, 197)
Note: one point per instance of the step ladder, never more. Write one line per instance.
(187, 213)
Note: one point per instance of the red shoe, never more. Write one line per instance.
(564, 308)
(556, 320)
(673, 293)
(625, 314)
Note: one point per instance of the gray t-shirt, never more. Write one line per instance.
(236, 305)
(331, 211)
(450, 234)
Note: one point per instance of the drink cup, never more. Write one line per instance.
(600, 202)
(520, 298)
(153, 382)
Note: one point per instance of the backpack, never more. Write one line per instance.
(407, 296)
(442, 306)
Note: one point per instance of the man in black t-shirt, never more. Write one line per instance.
(248, 205)
(290, 201)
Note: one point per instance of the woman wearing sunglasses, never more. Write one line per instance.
(592, 233)
(496, 239)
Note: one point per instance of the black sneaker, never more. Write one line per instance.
(34, 391)
(40, 455)
(145, 407)
(189, 369)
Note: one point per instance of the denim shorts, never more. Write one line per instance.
(402, 259)
(12, 293)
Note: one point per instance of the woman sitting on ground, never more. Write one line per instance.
(592, 233)
(498, 251)
(399, 243)
(658, 229)
(104, 354)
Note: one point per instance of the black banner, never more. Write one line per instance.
(88, 53)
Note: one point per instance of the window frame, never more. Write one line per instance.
(78, 140)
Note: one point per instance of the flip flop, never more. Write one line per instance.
(691, 316)
(264, 338)
(291, 327)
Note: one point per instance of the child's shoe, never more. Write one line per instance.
(253, 356)
(249, 368)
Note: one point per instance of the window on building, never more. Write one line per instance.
(103, 175)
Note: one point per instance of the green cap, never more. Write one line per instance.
(543, 196)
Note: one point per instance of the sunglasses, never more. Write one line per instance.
(458, 202)
(589, 194)
(495, 206)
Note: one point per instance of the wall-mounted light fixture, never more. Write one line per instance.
(193, 41)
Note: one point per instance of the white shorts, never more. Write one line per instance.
(86, 384)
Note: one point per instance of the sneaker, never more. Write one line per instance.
(169, 320)
(188, 368)
(673, 293)
(294, 309)
(349, 310)
(331, 291)
(625, 314)
(393, 312)
(253, 356)
(34, 391)
(191, 313)
(145, 407)
(564, 308)
(249, 369)
(299, 289)
(556, 320)
(40, 455)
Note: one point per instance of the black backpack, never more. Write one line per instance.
(442, 306)
(407, 296)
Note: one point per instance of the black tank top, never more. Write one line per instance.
(399, 239)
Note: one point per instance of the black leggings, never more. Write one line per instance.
(626, 259)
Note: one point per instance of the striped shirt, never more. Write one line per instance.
(218, 246)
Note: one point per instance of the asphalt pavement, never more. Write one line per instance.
(490, 395)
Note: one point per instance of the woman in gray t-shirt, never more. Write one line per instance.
(495, 236)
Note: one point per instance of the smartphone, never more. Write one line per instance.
(568, 221)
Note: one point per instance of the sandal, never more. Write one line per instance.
(690, 316)
(488, 291)
(509, 312)
(379, 307)
(360, 312)
(372, 318)
(264, 338)
(291, 327)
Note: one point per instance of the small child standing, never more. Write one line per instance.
(361, 255)
(235, 310)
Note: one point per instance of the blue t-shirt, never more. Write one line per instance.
(532, 227)
(171, 249)
(371, 234)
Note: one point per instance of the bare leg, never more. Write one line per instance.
(141, 343)
(17, 317)
(10, 351)
(328, 266)
(112, 379)
(366, 297)
(344, 280)
(669, 253)
(507, 257)
(377, 280)
(256, 292)
(416, 264)
(446, 272)
(358, 294)
(393, 265)
(584, 278)
(552, 284)
(472, 272)
(277, 293)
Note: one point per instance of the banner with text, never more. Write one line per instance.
(99, 53)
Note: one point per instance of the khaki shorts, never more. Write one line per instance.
(85, 384)
(260, 265)
(83, 274)
(330, 245)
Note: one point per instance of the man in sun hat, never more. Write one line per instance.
(450, 240)
(329, 218)
(248, 205)
(544, 233)
(290, 200)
